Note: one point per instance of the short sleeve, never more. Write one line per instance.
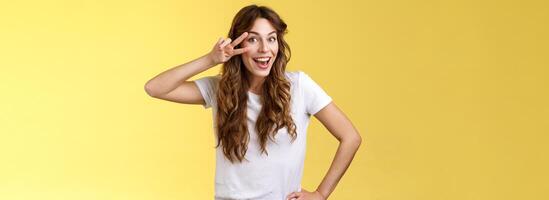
(207, 86)
(314, 96)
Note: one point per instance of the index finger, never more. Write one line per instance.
(239, 39)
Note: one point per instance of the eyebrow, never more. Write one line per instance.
(259, 34)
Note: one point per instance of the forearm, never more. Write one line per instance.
(343, 157)
(172, 78)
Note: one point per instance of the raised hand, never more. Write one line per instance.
(224, 49)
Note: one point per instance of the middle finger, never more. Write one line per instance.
(239, 39)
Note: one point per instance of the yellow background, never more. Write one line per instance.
(451, 97)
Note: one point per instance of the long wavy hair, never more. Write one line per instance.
(232, 93)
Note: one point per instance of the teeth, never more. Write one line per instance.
(262, 59)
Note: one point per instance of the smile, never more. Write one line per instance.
(262, 62)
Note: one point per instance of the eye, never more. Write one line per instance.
(272, 39)
(252, 40)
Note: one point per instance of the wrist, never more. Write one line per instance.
(323, 196)
(210, 60)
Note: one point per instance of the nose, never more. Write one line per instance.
(263, 47)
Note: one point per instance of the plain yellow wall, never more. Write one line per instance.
(451, 97)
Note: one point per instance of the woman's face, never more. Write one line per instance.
(262, 42)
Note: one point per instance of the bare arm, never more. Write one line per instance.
(172, 85)
(349, 141)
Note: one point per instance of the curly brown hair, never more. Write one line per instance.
(232, 94)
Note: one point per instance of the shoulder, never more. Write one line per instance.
(208, 80)
(299, 78)
(208, 83)
(213, 78)
(295, 76)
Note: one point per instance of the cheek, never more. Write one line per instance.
(251, 49)
(275, 49)
(247, 59)
(245, 56)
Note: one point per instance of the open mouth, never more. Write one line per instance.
(262, 62)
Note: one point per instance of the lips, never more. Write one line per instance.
(262, 62)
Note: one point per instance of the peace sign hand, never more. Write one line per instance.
(223, 50)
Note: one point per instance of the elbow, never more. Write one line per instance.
(355, 141)
(149, 90)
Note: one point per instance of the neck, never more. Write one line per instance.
(256, 84)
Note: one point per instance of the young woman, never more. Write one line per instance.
(260, 111)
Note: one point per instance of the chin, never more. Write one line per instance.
(261, 73)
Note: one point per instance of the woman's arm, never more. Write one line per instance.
(172, 78)
(172, 84)
(349, 141)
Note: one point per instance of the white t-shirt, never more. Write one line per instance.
(264, 177)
